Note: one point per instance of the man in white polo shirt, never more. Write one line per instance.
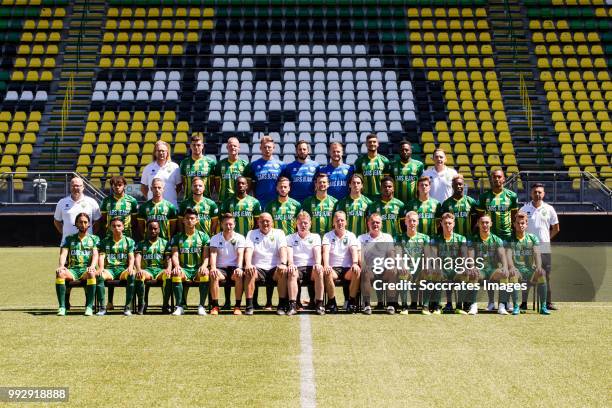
(70, 206)
(544, 224)
(266, 257)
(369, 251)
(441, 177)
(341, 261)
(304, 256)
(226, 257)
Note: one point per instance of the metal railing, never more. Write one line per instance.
(564, 188)
(30, 188)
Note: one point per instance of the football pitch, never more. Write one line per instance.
(308, 360)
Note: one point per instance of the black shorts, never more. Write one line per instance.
(226, 272)
(304, 273)
(265, 276)
(341, 271)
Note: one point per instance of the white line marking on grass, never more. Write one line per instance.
(308, 392)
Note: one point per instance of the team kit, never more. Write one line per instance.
(283, 226)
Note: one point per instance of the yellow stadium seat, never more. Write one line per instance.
(585, 160)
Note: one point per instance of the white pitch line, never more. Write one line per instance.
(308, 392)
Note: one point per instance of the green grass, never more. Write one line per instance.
(559, 360)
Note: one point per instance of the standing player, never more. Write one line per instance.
(284, 209)
(116, 261)
(151, 262)
(426, 207)
(450, 245)
(119, 205)
(441, 176)
(544, 224)
(189, 262)
(390, 209)
(525, 263)
(208, 213)
(375, 243)
(197, 165)
(301, 172)
(304, 257)
(339, 173)
(341, 261)
(158, 209)
(227, 170)
(500, 204)
(405, 171)
(81, 252)
(372, 166)
(463, 207)
(417, 246)
(488, 246)
(264, 172)
(355, 205)
(226, 258)
(266, 257)
(321, 206)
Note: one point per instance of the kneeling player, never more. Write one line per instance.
(266, 258)
(304, 257)
(151, 262)
(226, 257)
(450, 245)
(189, 262)
(341, 261)
(490, 248)
(81, 252)
(525, 263)
(116, 261)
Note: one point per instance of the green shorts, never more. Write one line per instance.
(116, 272)
(526, 274)
(154, 272)
(190, 273)
(77, 273)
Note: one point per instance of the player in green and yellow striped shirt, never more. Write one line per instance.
(453, 246)
(406, 171)
(463, 207)
(208, 213)
(355, 205)
(116, 261)
(501, 204)
(227, 170)
(284, 209)
(428, 208)
(372, 166)
(120, 205)
(525, 263)
(197, 165)
(189, 261)
(80, 250)
(321, 206)
(158, 209)
(243, 207)
(390, 209)
(151, 262)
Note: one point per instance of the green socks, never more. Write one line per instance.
(60, 290)
(140, 291)
(203, 286)
(100, 291)
(166, 291)
(90, 292)
(129, 290)
(177, 289)
(542, 289)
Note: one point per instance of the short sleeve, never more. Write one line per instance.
(325, 240)
(58, 212)
(214, 210)
(257, 208)
(282, 239)
(96, 215)
(553, 219)
(131, 245)
(249, 240)
(240, 242)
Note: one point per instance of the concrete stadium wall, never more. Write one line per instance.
(38, 230)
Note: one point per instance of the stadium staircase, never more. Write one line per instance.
(62, 139)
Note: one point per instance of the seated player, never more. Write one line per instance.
(450, 245)
(266, 258)
(116, 261)
(151, 262)
(304, 257)
(341, 261)
(226, 258)
(369, 251)
(81, 252)
(415, 245)
(189, 262)
(490, 248)
(525, 262)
